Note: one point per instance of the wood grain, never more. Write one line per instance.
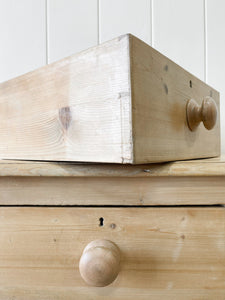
(119, 102)
(171, 253)
(99, 264)
(197, 182)
(206, 113)
(113, 191)
(160, 92)
(70, 110)
(191, 168)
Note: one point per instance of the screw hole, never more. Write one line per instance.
(101, 221)
(190, 83)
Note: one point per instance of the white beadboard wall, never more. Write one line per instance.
(190, 32)
(23, 36)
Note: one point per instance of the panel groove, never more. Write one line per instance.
(205, 41)
(46, 30)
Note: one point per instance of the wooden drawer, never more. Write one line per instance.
(119, 102)
(166, 253)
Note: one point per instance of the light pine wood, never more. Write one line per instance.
(160, 92)
(112, 191)
(166, 253)
(119, 102)
(206, 113)
(76, 109)
(198, 182)
(99, 264)
(192, 168)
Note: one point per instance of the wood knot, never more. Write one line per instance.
(65, 117)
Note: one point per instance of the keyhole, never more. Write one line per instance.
(101, 221)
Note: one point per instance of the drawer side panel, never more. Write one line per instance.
(77, 109)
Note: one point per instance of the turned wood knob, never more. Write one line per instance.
(100, 262)
(206, 113)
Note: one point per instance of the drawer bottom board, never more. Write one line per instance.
(166, 253)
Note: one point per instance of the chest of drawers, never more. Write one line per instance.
(166, 221)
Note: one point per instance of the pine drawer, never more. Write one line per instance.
(119, 102)
(166, 253)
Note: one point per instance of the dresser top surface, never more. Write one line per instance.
(201, 167)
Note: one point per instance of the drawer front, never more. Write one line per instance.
(166, 253)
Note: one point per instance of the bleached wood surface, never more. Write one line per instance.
(119, 102)
(166, 253)
(201, 167)
(196, 182)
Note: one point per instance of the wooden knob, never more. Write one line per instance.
(206, 113)
(100, 262)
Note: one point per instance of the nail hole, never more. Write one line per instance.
(101, 221)
(190, 83)
(113, 225)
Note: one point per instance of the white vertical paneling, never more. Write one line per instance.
(118, 17)
(72, 27)
(178, 32)
(215, 33)
(23, 37)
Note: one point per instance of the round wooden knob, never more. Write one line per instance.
(206, 113)
(100, 262)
